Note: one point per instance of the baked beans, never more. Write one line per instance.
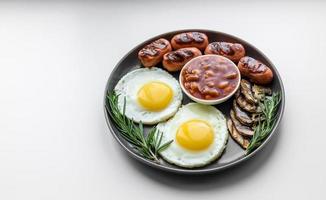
(210, 77)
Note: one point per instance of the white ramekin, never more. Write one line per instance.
(213, 101)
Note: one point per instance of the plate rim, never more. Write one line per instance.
(195, 170)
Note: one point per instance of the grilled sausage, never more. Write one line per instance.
(153, 53)
(232, 51)
(256, 71)
(175, 60)
(190, 39)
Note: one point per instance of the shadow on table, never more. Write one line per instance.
(232, 176)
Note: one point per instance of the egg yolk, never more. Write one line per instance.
(155, 96)
(195, 135)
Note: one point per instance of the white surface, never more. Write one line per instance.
(55, 59)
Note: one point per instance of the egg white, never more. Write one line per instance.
(180, 156)
(131, 83)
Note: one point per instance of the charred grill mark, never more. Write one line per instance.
(222, 48)
(153, 49)
(183, 38)
(198, 37)
(149, 51)
(253, 65)
(160, 44)
(190, 37)
(180, 55)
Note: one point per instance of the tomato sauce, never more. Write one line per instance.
(210, 77)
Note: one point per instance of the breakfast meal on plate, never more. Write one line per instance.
(256, 71)
(232, 51)
(175, 60)
(199, 135)
(152, 95)
(153, 53)
(192, 135)
(190, 39)
(210, 77)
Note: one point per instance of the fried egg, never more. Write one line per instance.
(152, 95)
(199, 135)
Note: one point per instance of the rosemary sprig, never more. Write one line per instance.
(147, 146)
(265, 126)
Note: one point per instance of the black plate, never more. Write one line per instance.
(233, 153)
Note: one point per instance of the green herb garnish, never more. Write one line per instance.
(147, 146)
(265, 126)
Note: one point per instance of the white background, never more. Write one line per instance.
(55, 58)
